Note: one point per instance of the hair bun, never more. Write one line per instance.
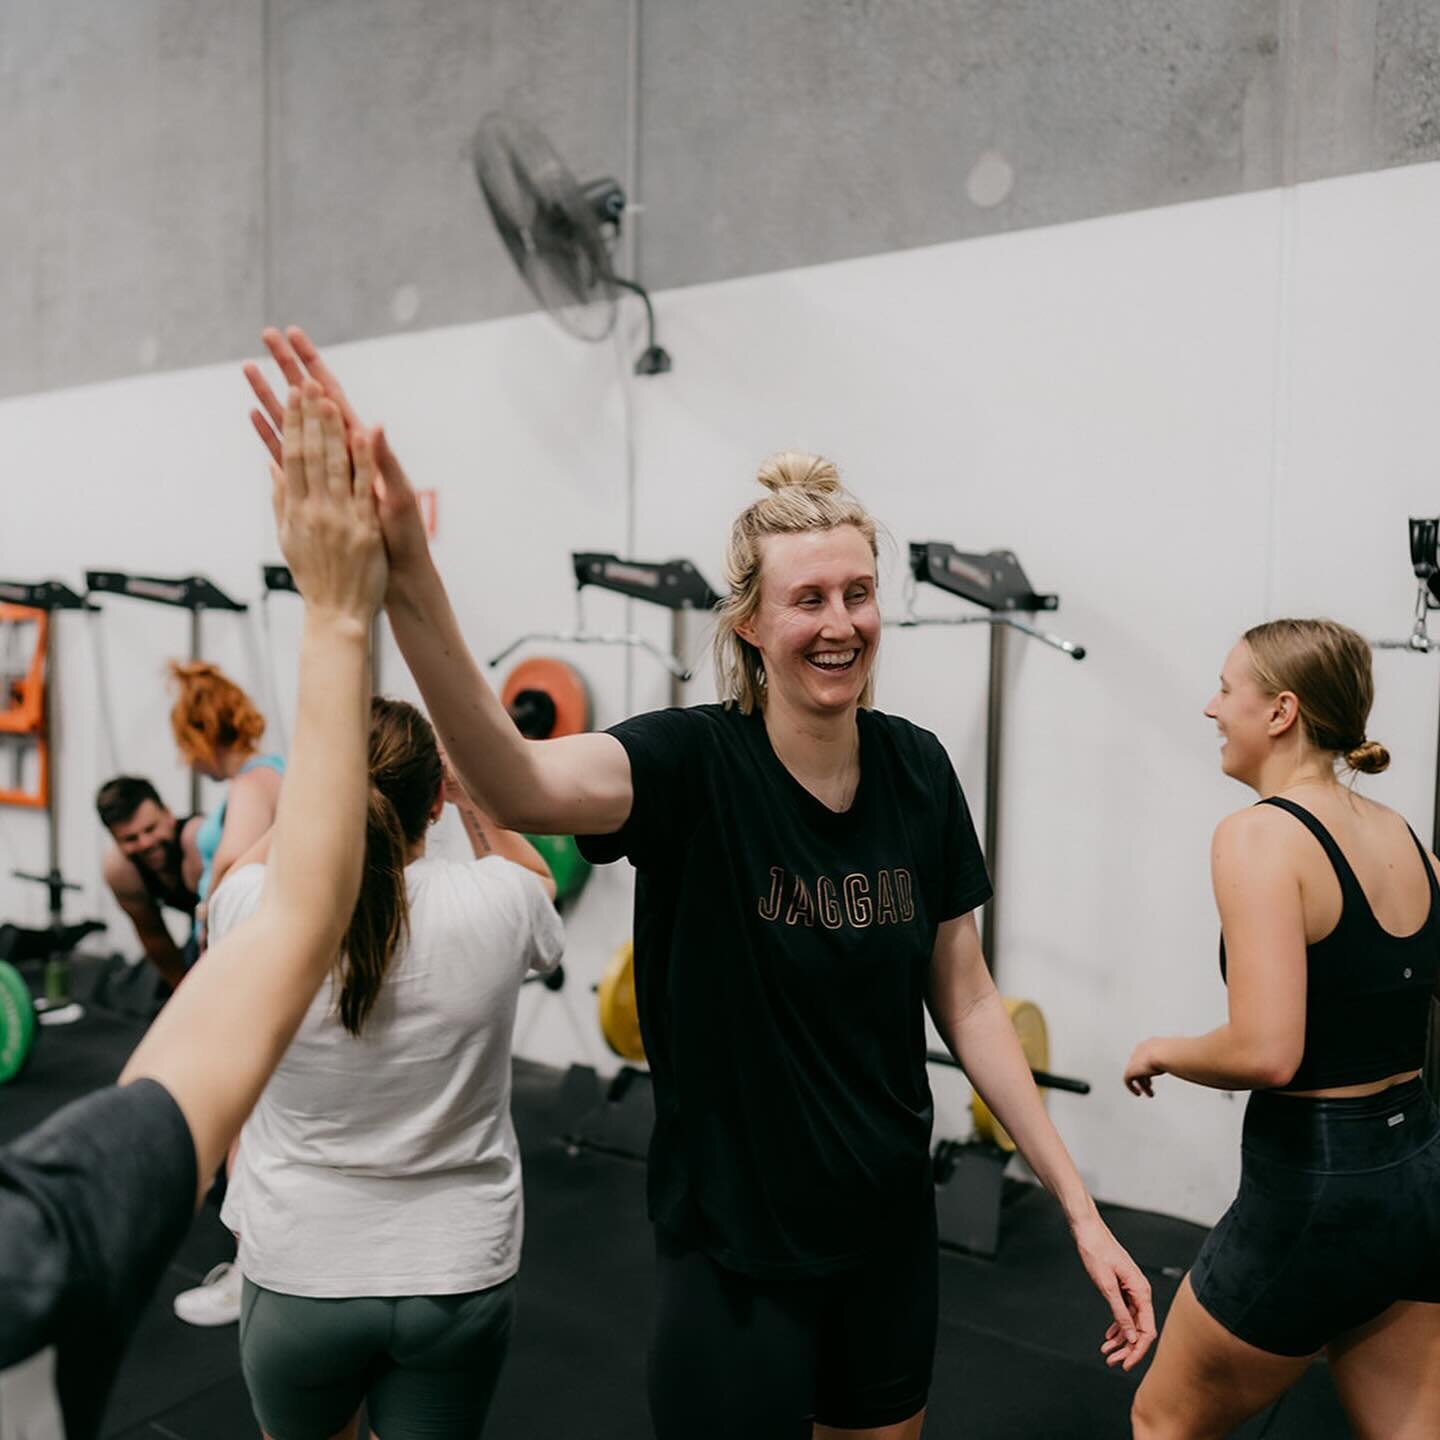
(796, 468)
(1369, 757)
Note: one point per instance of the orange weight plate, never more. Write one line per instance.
(547, 698)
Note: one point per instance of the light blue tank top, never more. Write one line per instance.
(207, 842)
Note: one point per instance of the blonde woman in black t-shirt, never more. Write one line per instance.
(807, 875)
(1330, 917)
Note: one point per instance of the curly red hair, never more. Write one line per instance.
(211, 711)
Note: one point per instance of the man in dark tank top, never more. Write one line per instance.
(153, 865)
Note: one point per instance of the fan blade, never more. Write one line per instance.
(547, 225)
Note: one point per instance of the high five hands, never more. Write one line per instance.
(301, 364)
(325, 509)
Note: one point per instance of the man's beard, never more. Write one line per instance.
(169, 862)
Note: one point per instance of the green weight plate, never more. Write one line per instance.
(569, 867)
(17, 1023)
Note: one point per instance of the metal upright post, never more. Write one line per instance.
(189, 592)
(1432, 1048)
(49, 735)
(994, 726)
(194, 656)
(1435, 813)
(677, 649)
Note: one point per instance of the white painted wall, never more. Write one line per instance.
(1183, 421)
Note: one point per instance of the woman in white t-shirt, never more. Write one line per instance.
(378, 1198)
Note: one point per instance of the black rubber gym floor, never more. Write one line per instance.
(1017, 1356)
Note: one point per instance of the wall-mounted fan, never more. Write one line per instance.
(559, 233)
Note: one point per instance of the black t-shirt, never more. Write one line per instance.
(92, 1205)
(781, 958)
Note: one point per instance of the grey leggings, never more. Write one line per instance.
(425, 1366)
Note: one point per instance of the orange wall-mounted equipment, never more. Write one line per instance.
(23, 713)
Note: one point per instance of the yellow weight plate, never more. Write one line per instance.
(619, 1016)
(1029, 1025)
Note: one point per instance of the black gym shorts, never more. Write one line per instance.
(765, 1359)
(1338, 1217)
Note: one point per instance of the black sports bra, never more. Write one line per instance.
(1367, 992)
(177, 897)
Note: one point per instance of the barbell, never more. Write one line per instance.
(620, 1025)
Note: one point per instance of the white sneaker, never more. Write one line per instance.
(215, 1300)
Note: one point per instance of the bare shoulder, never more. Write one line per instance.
(262, 779)
(260, 786)
(189, 837)
(1249, 831)
(122, 876)
(1257, 850)
(1255, 860)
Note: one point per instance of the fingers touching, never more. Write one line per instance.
(337, 456)
(314, 437)
(315, 365)
(292, 450)
(283, 356)
(366, 481)
(325, 508)
(299, 361)
(308, 453)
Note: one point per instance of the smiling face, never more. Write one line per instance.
(1247, 717)
(817, 626)
(146, 837)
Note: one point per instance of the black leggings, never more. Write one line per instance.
(733, 1356)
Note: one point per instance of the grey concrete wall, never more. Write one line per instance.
(132, 186)
(179, 172)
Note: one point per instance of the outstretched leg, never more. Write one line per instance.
(1204, 1381)
(1387, 1374)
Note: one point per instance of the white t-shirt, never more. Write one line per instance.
(386, 1164)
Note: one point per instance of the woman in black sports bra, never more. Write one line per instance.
(1330, 916)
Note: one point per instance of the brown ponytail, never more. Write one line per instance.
(405, 776)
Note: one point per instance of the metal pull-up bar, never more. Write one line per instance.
(997, 583)
(1425, 562)
(194, 593)
(277, 580)
(46, 596)
(675, 585)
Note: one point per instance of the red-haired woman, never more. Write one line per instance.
(218, 729)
